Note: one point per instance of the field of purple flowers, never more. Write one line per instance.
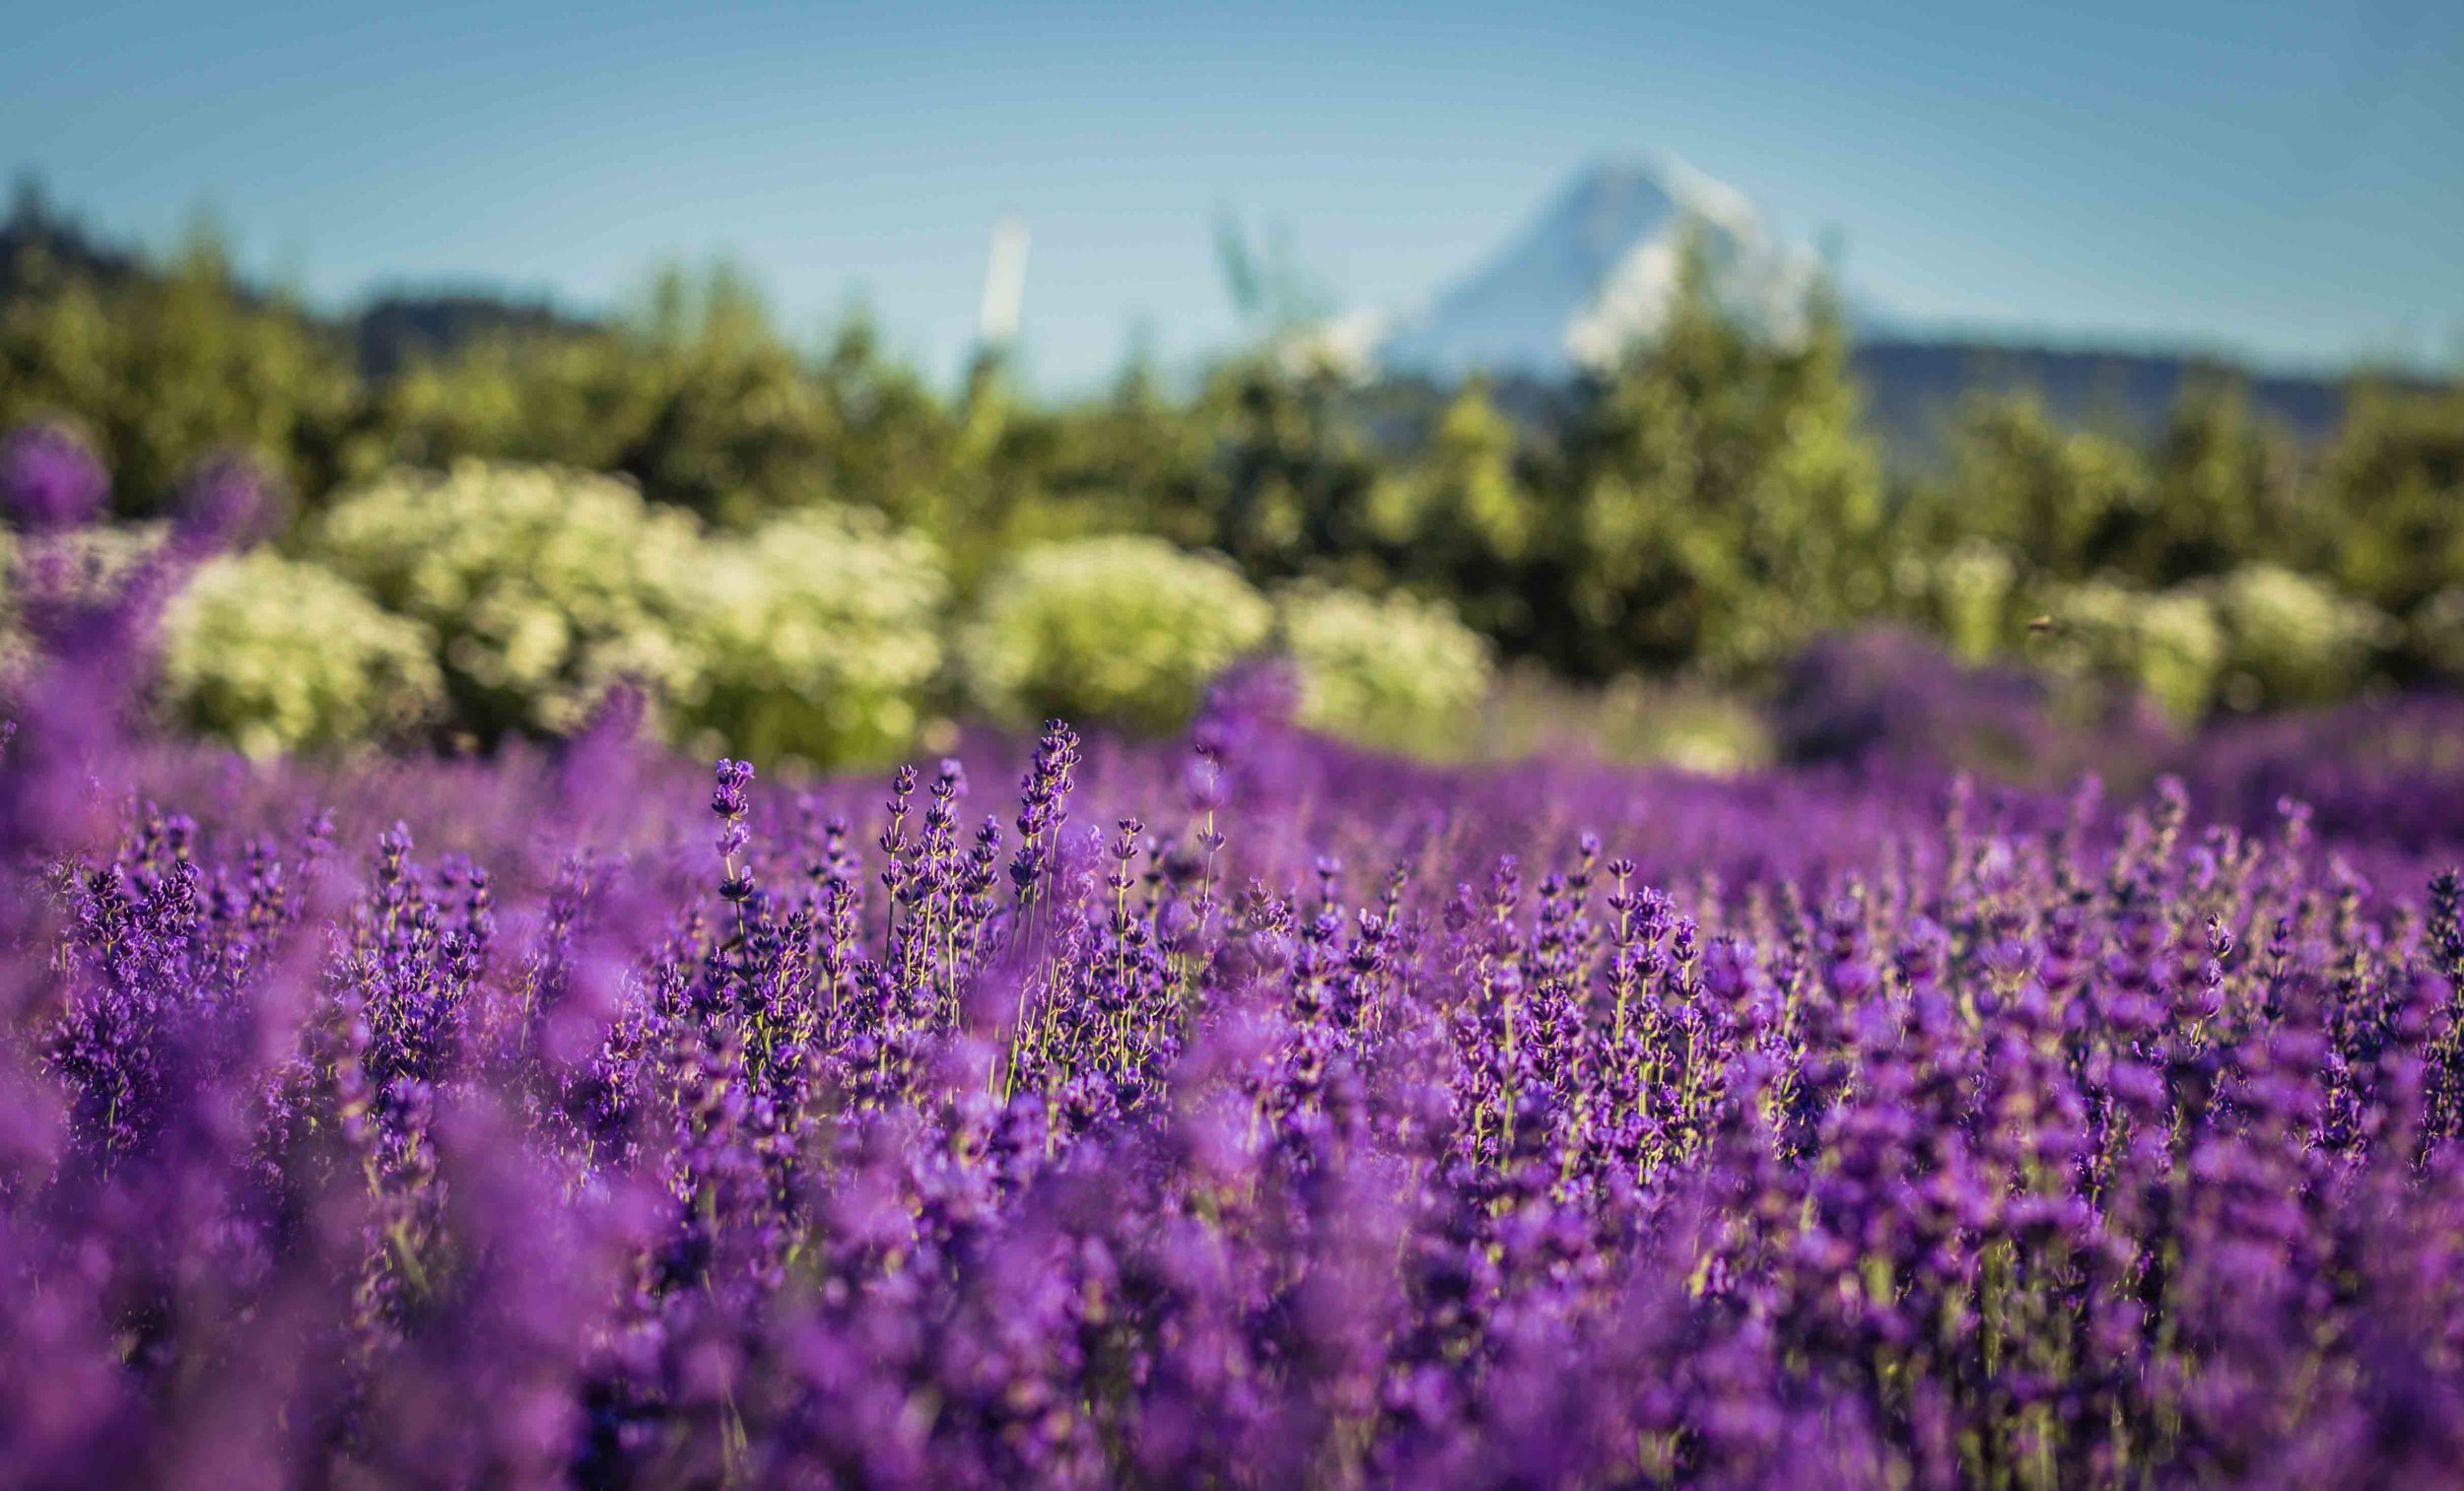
(1236, 1111)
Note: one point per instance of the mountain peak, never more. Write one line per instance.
(1614, 180)
(1599, 213)
(1591, 272)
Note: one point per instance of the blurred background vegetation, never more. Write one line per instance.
(486, 514)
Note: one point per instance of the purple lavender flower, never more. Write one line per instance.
(1311, 1120)
(50, 479)
(225, 503)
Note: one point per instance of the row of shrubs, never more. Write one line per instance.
(2258, 635)
(1693, 512)
(494, 599)
(497, 601)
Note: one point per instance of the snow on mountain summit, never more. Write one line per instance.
(1594, 271)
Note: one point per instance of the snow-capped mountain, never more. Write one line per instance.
(1593, 272)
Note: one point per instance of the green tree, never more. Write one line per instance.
(1290, 483)
(2394, 479)
(164, 369)
(2224, 492)
(695, 397)
(2066, 501)
(1723, 501)
(1459, 517)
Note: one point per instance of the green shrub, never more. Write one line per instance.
(2069, 500)
(2290, 639)
(1966, 593)
(1126, 630)
(2436, 631)
(2262, 635)
(2168, 644)
(543, 586)
(170, 365)
(1391, 670)
(274, 655)
(816, 636)
(2391, 495)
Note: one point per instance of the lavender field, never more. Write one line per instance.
(1231, 1109)
(1436, 747)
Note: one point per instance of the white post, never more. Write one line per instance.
(1004, 282)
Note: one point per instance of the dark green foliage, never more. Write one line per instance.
(1724, 501)
(166, 370)
(2395, 478)
(1289, 486)
(1703, 505)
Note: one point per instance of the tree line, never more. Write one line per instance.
(1703, 506)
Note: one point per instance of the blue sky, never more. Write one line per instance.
(2286, 180)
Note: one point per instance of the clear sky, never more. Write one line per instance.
(2286, 180)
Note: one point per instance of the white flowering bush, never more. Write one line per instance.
(1124, 629)
(274, 655)
(2260, 635)
(1391, 670)
(2168, 644)
(543, 586)
(815, 636)
(2292, 639)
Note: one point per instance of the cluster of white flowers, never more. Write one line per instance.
(2258, 636)
(509, 599)
(1125, 629)
(1389, 670)
(1130, 630)
(275, 655)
